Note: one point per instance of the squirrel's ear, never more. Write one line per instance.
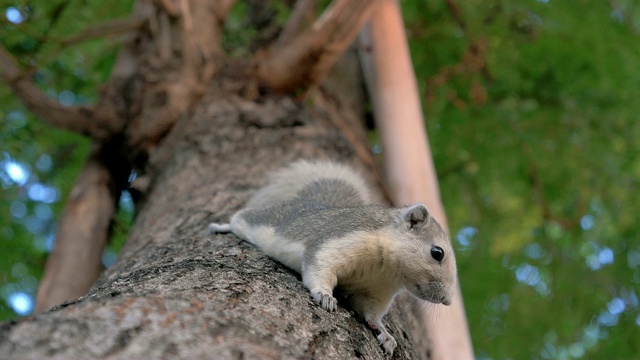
(415, 216)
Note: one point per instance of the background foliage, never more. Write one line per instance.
(531, 111)
(39, 163)
(531, 114)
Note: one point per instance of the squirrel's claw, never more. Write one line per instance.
(326, 301)
(388, 343)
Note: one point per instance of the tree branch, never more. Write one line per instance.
(408, 161)
(305, 59)
(83, 230)
(79, 119)
(301, 12)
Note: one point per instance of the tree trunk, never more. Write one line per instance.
(176, 292)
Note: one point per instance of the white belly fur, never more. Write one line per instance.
(264, 237)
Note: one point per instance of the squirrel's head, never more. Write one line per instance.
(426, 255)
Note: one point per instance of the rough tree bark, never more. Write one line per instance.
(176, 293)
(207, 132)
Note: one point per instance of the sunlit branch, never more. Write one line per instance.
(408, 162)
(301, 12)
(306, 58)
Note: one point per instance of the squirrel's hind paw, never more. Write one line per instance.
(388, 343)
(384, 338)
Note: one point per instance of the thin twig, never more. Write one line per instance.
(103, 30)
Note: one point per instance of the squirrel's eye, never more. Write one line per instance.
(437, 253)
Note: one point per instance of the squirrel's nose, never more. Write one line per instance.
(445, 301)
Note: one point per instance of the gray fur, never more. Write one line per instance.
(317, 219)
(287, 183)
(314, 231)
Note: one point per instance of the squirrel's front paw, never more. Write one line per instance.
(326, 301)
(388, 343)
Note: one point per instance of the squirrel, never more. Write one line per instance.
(318, 219)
